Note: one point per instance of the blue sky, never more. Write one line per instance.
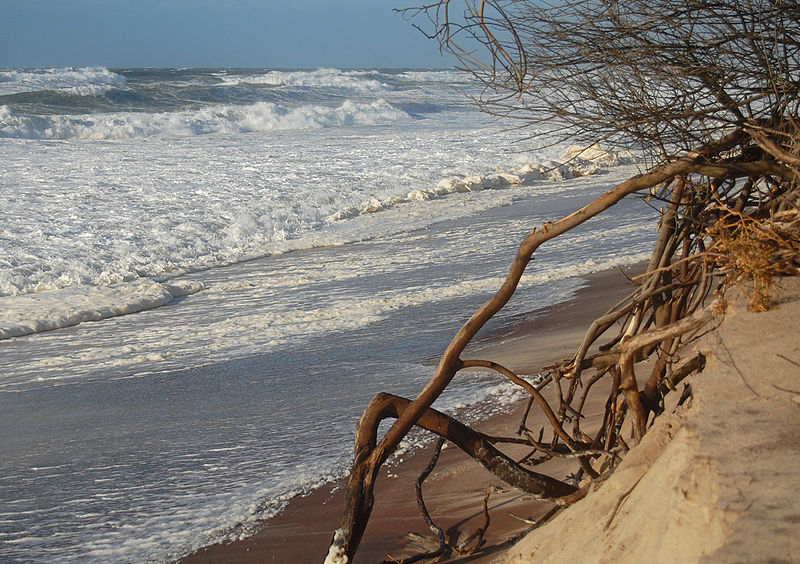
(211, 33)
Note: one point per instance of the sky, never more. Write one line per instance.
(212, 33)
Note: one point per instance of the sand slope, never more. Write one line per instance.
(718, 481)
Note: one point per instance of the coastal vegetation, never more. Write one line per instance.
(709, 94)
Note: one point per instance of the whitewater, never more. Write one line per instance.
(205, 274)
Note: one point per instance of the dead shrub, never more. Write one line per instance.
(754, 250)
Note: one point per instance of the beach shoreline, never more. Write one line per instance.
(455, 491)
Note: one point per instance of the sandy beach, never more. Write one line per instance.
(239, 239)
(454, 492)
(711, 481)
(714, 482)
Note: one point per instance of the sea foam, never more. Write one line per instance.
(34, 313)
(201, 198)
(326, 78)
(86, 81)
(258, 117)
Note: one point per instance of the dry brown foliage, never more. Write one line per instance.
(757, 251)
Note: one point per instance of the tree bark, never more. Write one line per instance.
(359, 497)
(371, 454)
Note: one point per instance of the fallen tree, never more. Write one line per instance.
(709, 94)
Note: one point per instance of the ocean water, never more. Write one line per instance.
(206, 274)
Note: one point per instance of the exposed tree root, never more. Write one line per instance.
(440, 540)
(728, 213)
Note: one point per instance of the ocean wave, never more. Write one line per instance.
(34, 313)
(577, 162)
(85, 81)
(443, 76)
(258, 117)
(182, 235)
(353, 81)
(56, 309)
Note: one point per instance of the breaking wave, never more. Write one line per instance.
(85, 81)
(258, 117)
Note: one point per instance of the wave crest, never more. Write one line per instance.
(258, 117)
(35, 313)
(353, 81)
(85, 81)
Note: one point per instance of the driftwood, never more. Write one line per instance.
(441, 544)
(665, 307)
(728, 210)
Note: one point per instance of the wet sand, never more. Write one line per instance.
(455, 491)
